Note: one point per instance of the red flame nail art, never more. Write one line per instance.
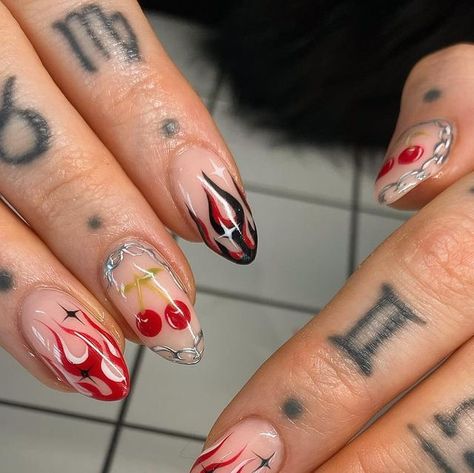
(206, 462)
(100, 371)
(235, 232)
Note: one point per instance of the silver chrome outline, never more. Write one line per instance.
(439, 157)
(176, 355)
(116, 257)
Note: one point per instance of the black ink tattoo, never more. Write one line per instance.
(94, 222)
(432, 95)
(471, 190)
(469, 459)
(6, 280)
(449, 428)
(387, 317)
(449, 423)
(91, 27)
(169, 127)
(292, 408)
(33, 122)
(432, 450)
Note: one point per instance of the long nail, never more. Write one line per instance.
(418, 154)
(212, 199)
(150, 296)
(252, 445)
(74, 344)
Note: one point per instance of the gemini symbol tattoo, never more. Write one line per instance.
(33, 124)
(90, 30)
(449, 430)
(388, 316)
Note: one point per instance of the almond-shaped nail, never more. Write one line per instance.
(251, 446)
(212, 200)
(150, 296)
(418, 154)
(74, 344)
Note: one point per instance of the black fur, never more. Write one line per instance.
(331, 71)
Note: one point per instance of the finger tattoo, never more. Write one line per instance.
(446, 446)
(30, 125)
(6, 280)
(169, 127)
(292, 408)
(92, 34)
(431, 95)
(94, 222)
(388, 316)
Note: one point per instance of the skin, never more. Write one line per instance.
(133, 107)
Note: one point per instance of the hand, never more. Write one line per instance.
(103, 148)
(408, 309)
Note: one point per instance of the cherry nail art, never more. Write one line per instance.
(74, 345)
(214, 202)
(152, 299)
(251, 446)
(418, 154)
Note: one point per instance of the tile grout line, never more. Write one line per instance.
(119, 423)
(354, 216)
(99, 420)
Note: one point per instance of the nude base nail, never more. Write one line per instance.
(74, 345)
(251, 446)
(418, 154)
(145, 289)
(212, 200)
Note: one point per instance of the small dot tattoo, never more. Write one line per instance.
(6, 280)
(471, 190)
(432, 95)
(292, 408)
(169, 127)
(94, 222)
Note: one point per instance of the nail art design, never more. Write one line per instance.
(74, 345)
(215, 204)
(252, 446)
(418, 154)
(152, 299)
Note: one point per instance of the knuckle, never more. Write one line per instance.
(439, 255)
(69, 187)
(131, 98)
(329, 381)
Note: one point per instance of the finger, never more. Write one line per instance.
(432, 429)
(423, 159)
(51, 324)
(61, 178)
(107, 60)
(407, 308)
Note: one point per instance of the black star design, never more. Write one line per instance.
(264, 462)
(71, 314)
(85, 375)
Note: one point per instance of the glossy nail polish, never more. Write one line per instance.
(74, 344)
(251, 446)
(150, 296)
(418, 154)
(212, 200)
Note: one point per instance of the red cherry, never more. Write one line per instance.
(177, 315)
(149, 323)
(410, 155)
(386, 167)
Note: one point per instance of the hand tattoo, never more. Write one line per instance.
(6, 280)
(90, 29)
(450, 430)
(380, 323)
(34, 123)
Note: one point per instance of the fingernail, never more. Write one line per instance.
(253, 445)
(418, 154)
(212, 199)
(74, 344)
(150, 296)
